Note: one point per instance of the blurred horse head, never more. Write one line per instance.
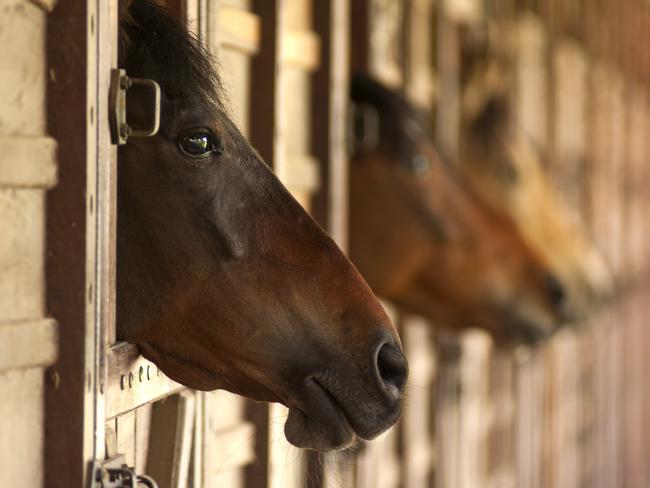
(426, 241)
(505, 168)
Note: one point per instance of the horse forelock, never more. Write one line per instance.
(154, 44)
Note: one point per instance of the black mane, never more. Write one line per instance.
(154, 44)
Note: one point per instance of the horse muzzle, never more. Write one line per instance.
(332, 405)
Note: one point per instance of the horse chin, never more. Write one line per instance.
(199, 378)
(323, 421)
(187, 374)
(528, 326)
(318, 420)
(323, 431)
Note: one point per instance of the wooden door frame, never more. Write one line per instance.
(66, 381)
(81, 50)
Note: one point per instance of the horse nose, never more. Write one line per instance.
(391, 370)
(556, 292)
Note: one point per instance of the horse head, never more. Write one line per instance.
(223, 280)
(426, 241)
(506, 168)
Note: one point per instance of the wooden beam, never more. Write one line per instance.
(67, 47)
(231, 446)
(299, 173)
(239, 29)
(27, 162)
(263, 103)
(359, 36)
(27, 343)
(47, 5)
(300, 49)
(170, 440)
(132, 380)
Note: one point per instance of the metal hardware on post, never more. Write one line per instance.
(363, 128)
(120, 129)
(114, 473)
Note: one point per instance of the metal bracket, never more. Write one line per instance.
(363, 128)
(120, 129)
(115, 473)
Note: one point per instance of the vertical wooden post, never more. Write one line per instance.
(70, 380)
(359, 36)
(330, 95)
(264, 100)
(263, 107)
(170, 440)
(448, 66)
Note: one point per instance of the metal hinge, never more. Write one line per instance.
(115, 473)
(120, 129)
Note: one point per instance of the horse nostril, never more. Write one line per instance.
(393, 370)
(556, 291)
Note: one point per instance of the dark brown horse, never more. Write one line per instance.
(424, 240)
(224, 281)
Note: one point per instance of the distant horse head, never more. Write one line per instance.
(505, 168)
(223, 280)
(424, 240)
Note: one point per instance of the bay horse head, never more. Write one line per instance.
(223, 280)
(506, 168)
(426, 241)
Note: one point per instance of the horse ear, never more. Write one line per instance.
(484, 101)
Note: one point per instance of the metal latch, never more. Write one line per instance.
(120, 129)
(363, 128)
(115, 473)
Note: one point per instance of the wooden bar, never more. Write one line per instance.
(635, 416)
(474, 408)
(67, 113)
(142, 432)
(359, 36)
(532, 84)
(132, 380)
(264, 99)
(27, 162)
(105, 202)
(125, 436)
(300, 173)
(239, 29)
(416, 423)
(501, 452)
(419, 74)
(170, 440)
(386, 41)
(262, 110)
(300, 49)
(228, 440)
(27, 343)
(447, 125)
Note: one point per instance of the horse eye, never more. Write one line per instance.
(420, 164)
(198, 145)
